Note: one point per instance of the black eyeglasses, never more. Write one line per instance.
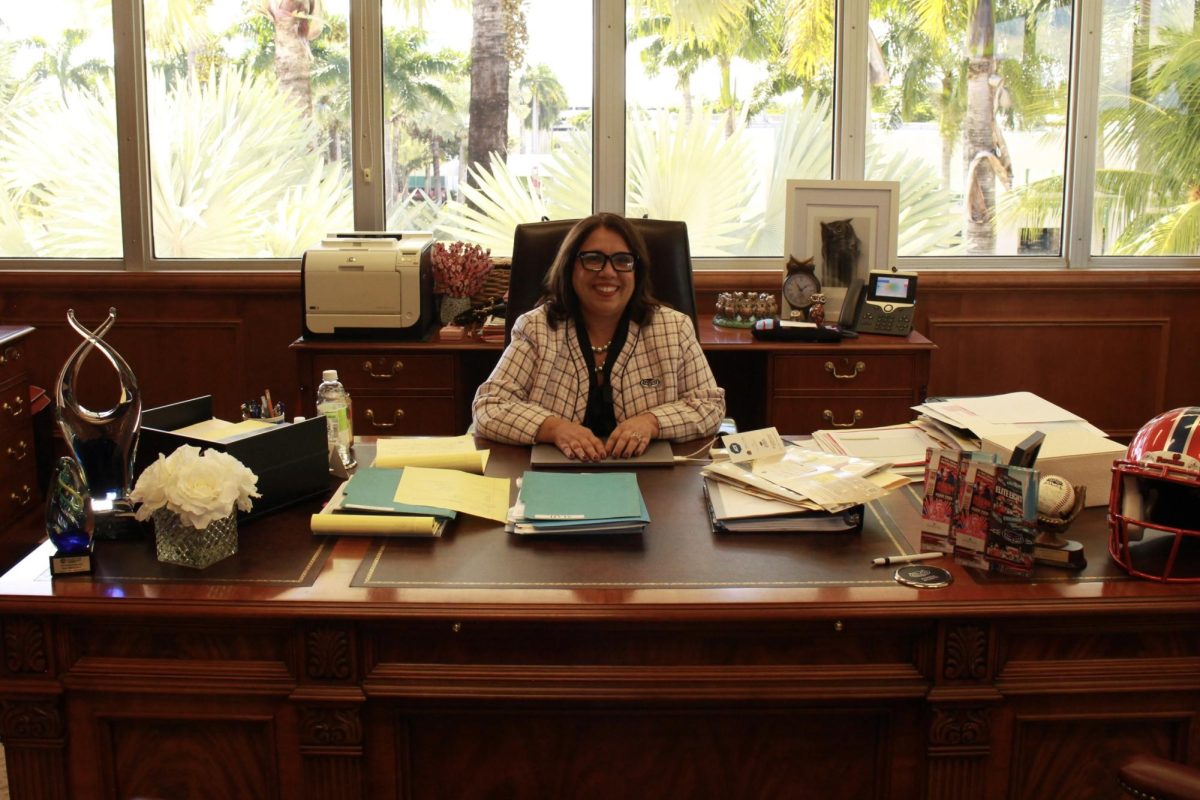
(594, 261)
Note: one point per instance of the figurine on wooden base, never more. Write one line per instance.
(743, 309)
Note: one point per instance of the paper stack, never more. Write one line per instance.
(902, 446)
(805, 490)
(574, 503)
(1073, 448)
(365, 505)
(492, 329)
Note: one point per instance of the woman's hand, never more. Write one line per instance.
(574, 440)
(633, 436)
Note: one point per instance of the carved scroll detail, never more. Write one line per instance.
(30, 719)
(25, 646)
(966, 653)
(330, 726)
(959, 726)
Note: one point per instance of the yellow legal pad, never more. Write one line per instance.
(375, 524)
(443, 452)
(452, 488)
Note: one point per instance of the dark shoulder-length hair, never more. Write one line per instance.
(560, 299)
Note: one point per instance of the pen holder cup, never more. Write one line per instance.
(273, 420)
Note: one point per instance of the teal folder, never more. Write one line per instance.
(572, 496)
(373, 489)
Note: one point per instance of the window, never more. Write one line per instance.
(968, 113)
(1147, 185)
(227, 134)
(58, 134)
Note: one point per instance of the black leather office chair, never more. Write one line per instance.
(535, 244)
(1147, 777)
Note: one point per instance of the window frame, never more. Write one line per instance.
(850, 101)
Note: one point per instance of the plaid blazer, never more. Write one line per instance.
(543, 373)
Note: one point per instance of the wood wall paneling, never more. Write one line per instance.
(1128, 336)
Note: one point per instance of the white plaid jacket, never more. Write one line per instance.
(543, 373)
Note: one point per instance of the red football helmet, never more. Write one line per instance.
(1154, 506)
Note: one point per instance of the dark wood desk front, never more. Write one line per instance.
(675, 664)
(426, 387)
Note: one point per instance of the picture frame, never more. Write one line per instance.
(848, 228)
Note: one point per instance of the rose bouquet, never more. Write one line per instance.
(459, 270)
(201, 487)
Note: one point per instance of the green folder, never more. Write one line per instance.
(374, 489)
(551, 496)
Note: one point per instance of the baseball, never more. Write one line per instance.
(1056, 496)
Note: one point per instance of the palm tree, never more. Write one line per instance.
(496, 46)
(411, 84)
(546, 98)
(297, 22)
(59, 63)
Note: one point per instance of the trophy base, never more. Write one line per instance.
(71, 563)
(1069, 556)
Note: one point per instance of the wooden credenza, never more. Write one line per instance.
(678, 663)
(18, 468)
(426, 387)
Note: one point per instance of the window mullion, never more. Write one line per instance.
(366, 93)
(850, 90)
(608, 107)
(1082, 130)
(133, 159)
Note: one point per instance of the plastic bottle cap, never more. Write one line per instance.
(297, 419)
(329, 375)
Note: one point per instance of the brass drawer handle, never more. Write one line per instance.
(397, 365)
(19, 452)
(10, 354)
(832, 370)
(828, 415)
(22, 501)
(16, 408)
(397, 415)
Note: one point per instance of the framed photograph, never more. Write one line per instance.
(847, 228)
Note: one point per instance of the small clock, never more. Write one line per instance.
(800, 283)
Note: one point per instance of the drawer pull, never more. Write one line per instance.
(828, 415)
(19, 452)
(10, 354)
(368, 368)
(832, 370)
(16, 408)
(397, 415)
(23, 500)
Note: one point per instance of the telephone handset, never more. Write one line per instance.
(884, 305)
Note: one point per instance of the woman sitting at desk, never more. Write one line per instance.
(600, 367)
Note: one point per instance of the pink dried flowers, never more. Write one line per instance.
(459, 270)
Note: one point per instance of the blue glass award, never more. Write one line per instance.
(69, 520)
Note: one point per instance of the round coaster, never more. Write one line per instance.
(923, 577)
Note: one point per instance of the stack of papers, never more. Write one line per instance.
(967, 421)
(366, 505)
(902, 446)
(804, 490)
(573, 503)
(439, 452)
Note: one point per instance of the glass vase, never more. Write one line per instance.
(180, 543)
(452, 307)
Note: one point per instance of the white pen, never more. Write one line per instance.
(886, 560)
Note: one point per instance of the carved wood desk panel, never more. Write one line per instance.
(483, 665)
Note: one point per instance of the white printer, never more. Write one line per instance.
(368, 284)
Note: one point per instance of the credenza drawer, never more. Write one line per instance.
(12, 361)
(807, 414)
(403, 415)
(843, 372)
(375, 371)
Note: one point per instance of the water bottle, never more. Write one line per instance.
(333, 402)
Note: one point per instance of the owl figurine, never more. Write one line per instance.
(816, 311)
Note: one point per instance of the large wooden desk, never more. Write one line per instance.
(677, 664)
(425, 387)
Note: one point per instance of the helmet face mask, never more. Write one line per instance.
(1154, 505)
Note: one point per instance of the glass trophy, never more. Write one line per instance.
(69, 520)
(103, 443)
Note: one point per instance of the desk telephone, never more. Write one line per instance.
(884, 305)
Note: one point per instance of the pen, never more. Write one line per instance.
(886, 560)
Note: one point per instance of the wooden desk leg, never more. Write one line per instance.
(960, 730)
(329, 704)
